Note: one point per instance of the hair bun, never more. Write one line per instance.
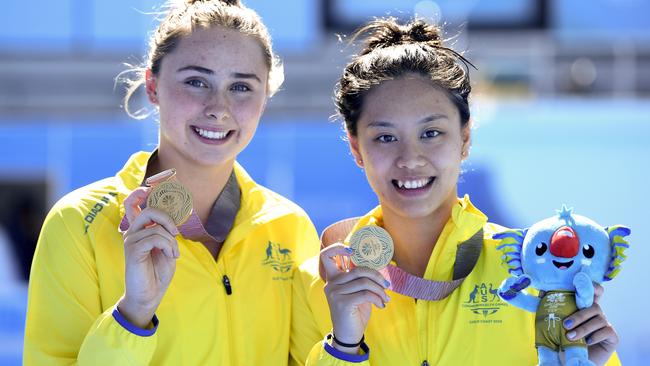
(227, 2)
(422, 32)
(382, 33)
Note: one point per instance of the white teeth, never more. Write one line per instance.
(211, 134)
(413, 184)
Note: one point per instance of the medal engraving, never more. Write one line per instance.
(173, 199)
(372, 247)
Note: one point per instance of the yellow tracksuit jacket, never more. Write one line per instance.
(78, 276)
(472, 326)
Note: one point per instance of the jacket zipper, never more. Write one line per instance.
(422, 313)
(226, 283)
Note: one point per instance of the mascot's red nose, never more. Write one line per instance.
(565, 242)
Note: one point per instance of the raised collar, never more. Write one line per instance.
(463, 215)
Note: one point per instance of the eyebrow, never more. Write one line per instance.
(204, 70)
(200, 69)
(242, 75)
(426, 119)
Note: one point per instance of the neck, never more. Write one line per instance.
(415, 238)
(204, 182)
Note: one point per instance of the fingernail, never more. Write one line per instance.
(571, 335)
(386, 283)
(568, 323)
(349, 250)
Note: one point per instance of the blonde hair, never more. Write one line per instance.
(181, 18)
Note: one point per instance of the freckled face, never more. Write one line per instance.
(210, 91)
(410, 143)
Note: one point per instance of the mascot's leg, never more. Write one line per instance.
(548, 357)
(577, 356)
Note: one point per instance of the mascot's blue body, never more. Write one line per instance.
(562, 257)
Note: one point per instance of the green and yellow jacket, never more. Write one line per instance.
(78, 276)
(472, 326)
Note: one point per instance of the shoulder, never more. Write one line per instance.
(71, 229)
(308, 270)
(262, 205)
(274, 199)
(491, 254)
(307, 280)
(490, 228)
(267, 205)
(78, 210)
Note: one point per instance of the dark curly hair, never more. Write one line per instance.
(391, 50)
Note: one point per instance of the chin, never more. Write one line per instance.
(210, 160)
(412, 211)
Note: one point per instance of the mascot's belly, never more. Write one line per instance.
(553, 308)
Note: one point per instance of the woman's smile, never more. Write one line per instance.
(213, 136)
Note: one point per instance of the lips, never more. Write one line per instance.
(563, 265)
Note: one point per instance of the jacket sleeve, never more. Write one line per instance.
(323, 354)
(310, 323)
(307, 242)
(66, 323)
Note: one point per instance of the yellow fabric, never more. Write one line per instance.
(78, 276)
(472, 326)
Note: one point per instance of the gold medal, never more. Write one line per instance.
(372, 247)
(172, 198)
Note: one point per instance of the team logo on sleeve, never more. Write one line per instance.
(484, 301)
(278, 258)
(94, 211)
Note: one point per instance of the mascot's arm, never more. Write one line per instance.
(584, 290)
(511, 291)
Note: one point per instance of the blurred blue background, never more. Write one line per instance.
(560, 106)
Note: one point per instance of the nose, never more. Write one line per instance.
(410, 157)
(217, 107)
(565, 242)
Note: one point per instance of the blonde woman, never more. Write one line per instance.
(115, 282)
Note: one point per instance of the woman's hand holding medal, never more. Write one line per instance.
(351, 292)
(150, 246)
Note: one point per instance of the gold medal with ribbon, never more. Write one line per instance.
(371, 248)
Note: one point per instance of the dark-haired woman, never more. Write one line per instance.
(404, 101)
(116, 283)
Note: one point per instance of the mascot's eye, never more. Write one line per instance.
(540, 249)
(588, 251)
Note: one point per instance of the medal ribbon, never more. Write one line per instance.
(405, 283)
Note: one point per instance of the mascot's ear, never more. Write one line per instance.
(618, 245)
(511, 242)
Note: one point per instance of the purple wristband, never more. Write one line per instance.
(346, 356)
(121, 320)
